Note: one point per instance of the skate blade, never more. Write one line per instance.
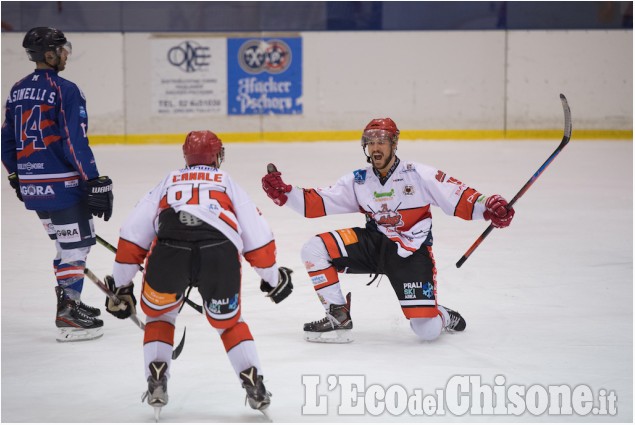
(342, 336)
(78, 334)
(266, 413)
(157, 413)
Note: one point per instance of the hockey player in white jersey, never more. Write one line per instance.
(192, 229)
(395, 196)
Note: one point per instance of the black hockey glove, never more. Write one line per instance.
(284, 288)
(127, 301)
(100, 197)
(15, 184)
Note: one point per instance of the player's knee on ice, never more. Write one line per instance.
(314, 252)
(427, 329)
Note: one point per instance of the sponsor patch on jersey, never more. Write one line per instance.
(39, 191)
(68, 233)
(360, 176)
(409, 190)
(316, 280)
(28, 166)
(71, 183)
(82, 112)
(409, 167)
(48, 226)
(383, 196)
(428, 290)
(233, 302)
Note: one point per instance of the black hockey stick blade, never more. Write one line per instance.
(104, 288)
(177, 351)
(565, 139)
(271, 168)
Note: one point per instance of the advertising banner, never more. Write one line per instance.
(265, 76)
(189, 76)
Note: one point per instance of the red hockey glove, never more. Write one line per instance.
(497, 211)
(274, 187)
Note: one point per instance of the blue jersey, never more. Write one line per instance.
(44, 141)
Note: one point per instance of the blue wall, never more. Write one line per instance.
(86, 16)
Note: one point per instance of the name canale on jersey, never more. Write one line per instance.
(198, 175)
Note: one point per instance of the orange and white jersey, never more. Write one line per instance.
(399, 204)
(211, 195)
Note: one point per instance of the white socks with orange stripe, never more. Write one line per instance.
(317, 262)
(159, 350)
(240, 347)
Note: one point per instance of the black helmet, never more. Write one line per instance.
(40, 40)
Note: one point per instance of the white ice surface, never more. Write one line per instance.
(548, 301)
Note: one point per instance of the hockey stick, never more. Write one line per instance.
(93, 277)
(104, 288)
(112, 249)
(521, 192)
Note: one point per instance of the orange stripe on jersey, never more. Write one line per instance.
(129, 252)
(262, 257)
(412, 216)
(228, 221)
(323, 278)
(223, 200)
(235, 335)
(331, 245)
(159, 331)
(163, 204)
(313, 204)
(465, 207)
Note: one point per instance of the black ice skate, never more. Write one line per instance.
(334, 328)
(73, 324)
(157, 393)
(457, 322)
(257, 395)
(89, 311)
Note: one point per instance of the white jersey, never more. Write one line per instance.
(399, 203)
(209, 194)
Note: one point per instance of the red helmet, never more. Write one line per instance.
(203, 148)
(381, 127)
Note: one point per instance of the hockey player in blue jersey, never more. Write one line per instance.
(53, 171)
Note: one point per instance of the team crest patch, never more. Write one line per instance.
(408, 190)
(360, 176)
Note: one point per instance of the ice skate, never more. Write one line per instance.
(88, 310)
(456, 323)
(157, 394)
(257, 395)
(73, 324)
(335, 328)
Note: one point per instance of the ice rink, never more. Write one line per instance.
(548, 301)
